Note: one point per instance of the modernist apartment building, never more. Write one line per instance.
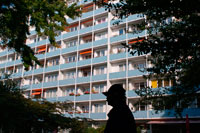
(90, 59)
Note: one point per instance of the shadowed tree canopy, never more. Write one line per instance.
(19, 114)
(47, 16)
(173, 44)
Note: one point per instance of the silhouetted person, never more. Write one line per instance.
(120, 119)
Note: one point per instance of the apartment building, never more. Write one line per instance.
(90, 59)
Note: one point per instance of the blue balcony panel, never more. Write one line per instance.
(131, 93)
(140, 114)
(26, 87)
(4, 53)
(38, 71)
(58, 38)
(99, 77)
(68, 65)
(18, 62)
(68, 50)
(27, 73)
(99, 59)
(85, 45)
(83, 79)
(32, 45)
(15, 75)
(40, 56)
(82, 115)
(86, 30)
(70, 34)
(84, 97)
(50, 84)
(52, 68)
(99, 96)
(117, 75)
(11, 51)
(136, 35)
(136, 72)
(66, 98)
(66, 82)
(84, 62)
(53, 53)
(130, 55)
(87, 15)
(52, 99)
(10, 63)
(68, 115)
(2, 65)
(33, 32)
(42, 42)
(98, 116)
(117, 21)
(101, 26)
(118, 38)
(99, 11)
(37, 86)
(100, 42)
(117, 56)
(69, 20)
(135, 17)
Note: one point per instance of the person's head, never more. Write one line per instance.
(115, 95)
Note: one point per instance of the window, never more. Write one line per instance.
(50, 93)
(100, 53)
(101, 20)
(122, 31)
(98, 108)
(100, 70)
(154, 83)
(99, 88)
(71, 58)
(72, 43)
(70, 75)
(122, 67)
(100, 36)
(73, 29)
(140, 85)
(51, 78)
(68, 91)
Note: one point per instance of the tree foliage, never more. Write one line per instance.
(47, 16)
(19, 114)
(173, 43)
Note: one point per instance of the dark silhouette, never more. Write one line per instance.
(120, 119)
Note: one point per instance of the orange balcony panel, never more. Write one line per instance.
(37, 90)
(135, 41)
(41, 50)
(86, 52)
(36, 93)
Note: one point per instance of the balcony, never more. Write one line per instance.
(85, 45)
(101, 77)
(85, 30)
(50, 84)
(132, 73)
(70, 34)
(66, 82)
(32, 45)
(69, 50)
(117, 75)
(118, 38)
(52, 68)
(117, 56)
(58, 38)
(66, 98)
(38, 71)
(99, 96)
(4, 53)
(101, 26)
(2, 65)
(84, 62)
(131, 93)
(136, 35)
(69, 20)
(18, 62)
(26, 87)
(100, 42)
(99, 11)
(53, 53)
(16, 75)
(99, 116)
(99, 59)
(37, 86)
(42, 42)
(84, 97)
(140, 114)
(68, 65)
(83, 80)
(82, 115)
(135, 17)
(27, 73)
(10, 63)
(87, 15)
